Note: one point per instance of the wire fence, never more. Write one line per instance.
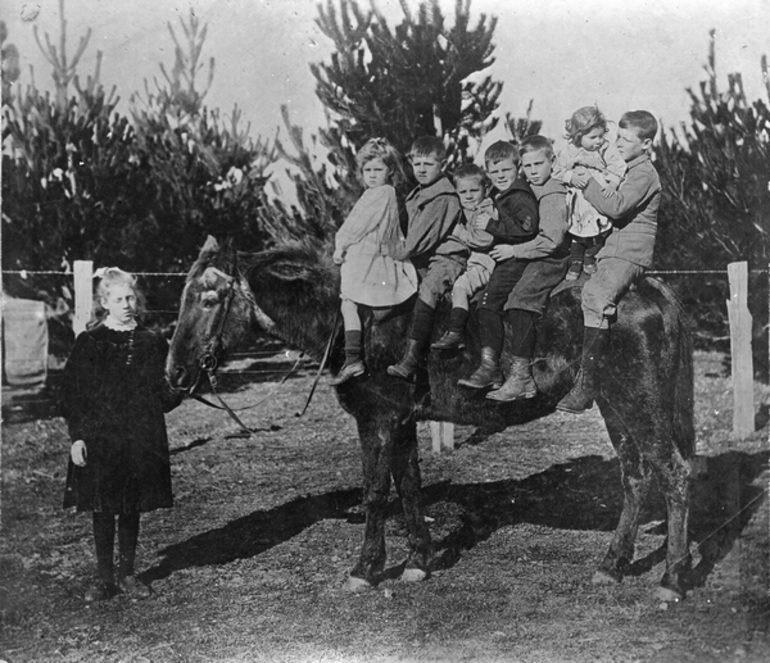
(164, 291)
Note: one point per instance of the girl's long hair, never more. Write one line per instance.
(106, 278)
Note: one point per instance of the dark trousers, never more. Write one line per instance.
(504, 277)
(490, 310)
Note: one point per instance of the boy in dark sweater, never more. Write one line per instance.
(515, 220)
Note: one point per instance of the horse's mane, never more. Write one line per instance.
(292, 262)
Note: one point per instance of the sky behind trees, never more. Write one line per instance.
(561, 53)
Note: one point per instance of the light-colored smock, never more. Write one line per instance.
(369, 275)
(605, 166)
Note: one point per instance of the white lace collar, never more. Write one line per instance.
(113, 324)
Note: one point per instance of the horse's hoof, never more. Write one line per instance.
(604, 577)
(355, 584)
(667, 595)
(414, 574)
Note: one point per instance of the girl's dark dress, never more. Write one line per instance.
(114, 397)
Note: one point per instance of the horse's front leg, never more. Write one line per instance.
(377, 440)
(406, 474)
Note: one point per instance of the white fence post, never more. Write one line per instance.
(442, 434)
(83, 273)
(740, 350)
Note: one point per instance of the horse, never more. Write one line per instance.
(645, 395)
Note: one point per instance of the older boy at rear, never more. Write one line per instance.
(633, 209)
(433, 210)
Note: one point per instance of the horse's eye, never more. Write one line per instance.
(209, 303)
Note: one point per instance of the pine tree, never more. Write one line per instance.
(396, 83)
(715, 205)
(409, 81)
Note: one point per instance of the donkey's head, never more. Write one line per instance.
(214, 314)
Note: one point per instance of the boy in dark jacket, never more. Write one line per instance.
(516, 222)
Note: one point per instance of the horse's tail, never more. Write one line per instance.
(679, 329)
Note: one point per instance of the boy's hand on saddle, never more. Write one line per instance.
(78, 453)
(502, 252)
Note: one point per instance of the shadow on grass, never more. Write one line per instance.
(253, 534)
(584, 494)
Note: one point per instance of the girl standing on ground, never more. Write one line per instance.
(363, 246)
(588, 154)
(115, 394)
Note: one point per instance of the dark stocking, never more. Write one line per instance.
(104, 541)
(128, 535)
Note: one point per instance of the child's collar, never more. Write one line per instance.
(114, 325)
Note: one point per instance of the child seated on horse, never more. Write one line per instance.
(588, 153)
(364, 245)
(433, 211)
(516, 223)
(547, 257)
(628, 251)
(471, 185)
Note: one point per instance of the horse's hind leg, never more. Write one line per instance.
(406, 474)
(673, 474)
(377, 440)
(636, 477)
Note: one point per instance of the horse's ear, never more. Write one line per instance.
(210, 246)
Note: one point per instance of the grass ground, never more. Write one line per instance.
(250, 563)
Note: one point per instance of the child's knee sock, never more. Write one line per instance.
(104, 542)
(353, 345)
(458, 317)
(422, 323)
(128, 535)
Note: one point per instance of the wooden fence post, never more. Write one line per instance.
(84, 297)
(740, 350)
(442, 434)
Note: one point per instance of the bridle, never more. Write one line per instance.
(208, 364)
(208, 361)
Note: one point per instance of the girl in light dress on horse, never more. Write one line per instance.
(363, 245)
(114, 397)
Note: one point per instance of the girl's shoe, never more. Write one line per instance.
(574, 271)
(100, 591)
(348, 371)
(589, 267)
(133, 588)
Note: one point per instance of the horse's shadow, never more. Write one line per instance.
(583, 494)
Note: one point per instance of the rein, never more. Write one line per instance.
(208, 364)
